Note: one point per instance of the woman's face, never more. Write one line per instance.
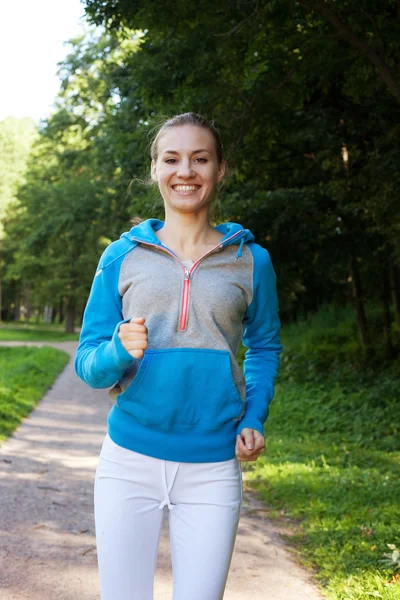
(187, 168)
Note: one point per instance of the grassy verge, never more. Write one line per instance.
(332, 464)
(28, 332)
(25, 376)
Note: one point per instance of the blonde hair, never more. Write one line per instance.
(188, 118)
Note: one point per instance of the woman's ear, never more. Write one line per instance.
(221, 171)
(153, 171)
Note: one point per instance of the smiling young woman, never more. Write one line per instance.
(170, 303)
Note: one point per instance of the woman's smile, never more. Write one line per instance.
(185, 190)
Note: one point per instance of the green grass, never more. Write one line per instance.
(332, 460)
(34, 333)
(25, 376)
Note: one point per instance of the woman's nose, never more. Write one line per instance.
(186, 171)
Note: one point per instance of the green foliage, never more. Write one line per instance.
(295, 95)
(74, 201)
(331, 465)
(327, 343)
(30, 333)
(16, 138)
(25, 376)
(309, 125)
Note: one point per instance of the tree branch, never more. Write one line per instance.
(347, 34)
(240, 24)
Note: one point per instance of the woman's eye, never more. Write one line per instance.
(199, 159)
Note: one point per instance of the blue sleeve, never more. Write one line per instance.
(262, 338)
(101, 359)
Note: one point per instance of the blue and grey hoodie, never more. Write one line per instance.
(187, 398)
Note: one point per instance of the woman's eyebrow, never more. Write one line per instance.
(194, 151)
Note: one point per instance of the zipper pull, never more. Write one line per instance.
(187, 274)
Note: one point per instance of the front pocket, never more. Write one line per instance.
(183, 387)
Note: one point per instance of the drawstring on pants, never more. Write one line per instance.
(166, 500)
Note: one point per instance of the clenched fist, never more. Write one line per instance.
(249, 444)
(134, 336)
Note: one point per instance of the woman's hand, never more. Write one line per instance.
(249, 444)
(134, 336)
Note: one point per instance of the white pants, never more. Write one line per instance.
(204, 501)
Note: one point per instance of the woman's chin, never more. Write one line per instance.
(188, 205)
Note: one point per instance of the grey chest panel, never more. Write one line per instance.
(151, 285)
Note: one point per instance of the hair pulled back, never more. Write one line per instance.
(188, 118)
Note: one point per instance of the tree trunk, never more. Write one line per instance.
(70, 316)
(82, 314)
(387, 320)
(48, 311)
(359, 304)
(395, 272)
(28, 303)
(61, 311)
(17, 308)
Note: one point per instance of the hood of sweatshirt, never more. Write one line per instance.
(234, 233)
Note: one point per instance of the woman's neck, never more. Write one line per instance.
(189, 236)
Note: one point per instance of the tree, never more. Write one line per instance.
(304, 84)
(16, 138)
(307, 122)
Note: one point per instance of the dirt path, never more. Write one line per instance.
(47, 543)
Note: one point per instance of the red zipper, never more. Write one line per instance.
(187, 275)
(185, 301)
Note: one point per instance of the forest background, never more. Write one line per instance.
(306, 95)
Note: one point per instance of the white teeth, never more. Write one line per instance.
(185, 188)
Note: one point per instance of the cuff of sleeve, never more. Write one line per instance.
(116, 351)
(252, 423)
